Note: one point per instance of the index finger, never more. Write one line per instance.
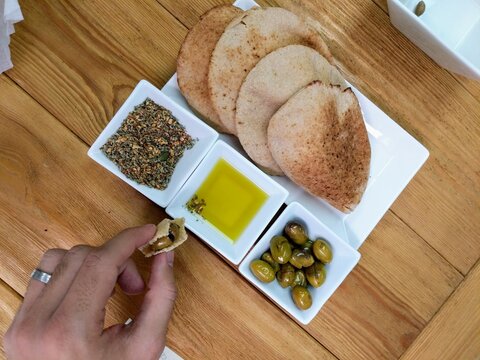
(118, 249)
(84, 304)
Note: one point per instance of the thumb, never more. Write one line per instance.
(151, 323)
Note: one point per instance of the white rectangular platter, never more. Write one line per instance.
(396, 158)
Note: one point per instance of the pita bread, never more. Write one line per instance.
(194, 58)
(319, 140)
(268, 86)
(245, 41)
(166, 229)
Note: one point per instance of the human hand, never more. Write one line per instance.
(64, 319)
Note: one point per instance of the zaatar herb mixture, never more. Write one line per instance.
(148, 145)
(196, 205)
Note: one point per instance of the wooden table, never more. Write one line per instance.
(416, 291)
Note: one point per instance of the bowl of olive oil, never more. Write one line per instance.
(228, 202)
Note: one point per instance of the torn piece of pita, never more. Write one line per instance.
(170, 234)
(319, 140)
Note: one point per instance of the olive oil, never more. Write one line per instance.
(231, 199)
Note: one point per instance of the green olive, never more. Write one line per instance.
(316, 274)
(301, 258)
(322, 251)
(280, 249)
(295, 260)
(307, 246)
(308, 260)
(301, 297)
(300, 279)
(161, 243)
(262, 271)
(286, 275)
(296, 233)
(269, 259)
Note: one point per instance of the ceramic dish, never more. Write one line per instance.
(344, 260)
(448, 31)
(232, 251)
(205, 137)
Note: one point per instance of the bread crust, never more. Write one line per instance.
(194, 59)
(272, 81)
(163, 229)
(319, 140)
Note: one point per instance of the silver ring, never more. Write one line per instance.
(41, 276)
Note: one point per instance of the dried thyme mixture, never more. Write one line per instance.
(148, 145)
(196, 205)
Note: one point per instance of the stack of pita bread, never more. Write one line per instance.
(266, 76)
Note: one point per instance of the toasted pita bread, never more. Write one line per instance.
(194, 58)
(319, 140)
(274, 79)
(246, 40)
(173, 230)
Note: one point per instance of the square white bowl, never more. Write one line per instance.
(448, 31)
(204, 135)
(232, 251)
(344, 260)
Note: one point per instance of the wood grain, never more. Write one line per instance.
(188, 12)
(388, 299)
(473, 86)
(9, 303)
(51, 184)
(382, 4)
(82, 59)
(454, 332)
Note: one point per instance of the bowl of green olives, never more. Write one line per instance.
(299, 263)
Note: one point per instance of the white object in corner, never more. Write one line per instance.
(448, 31)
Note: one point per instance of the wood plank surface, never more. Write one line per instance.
(387, 300)
(53, 195)
(473, 86)
(9, 303)
(81, 59)
(188, 12)
(442, 201)
(409, 316)
(78, 61)
(454, 332)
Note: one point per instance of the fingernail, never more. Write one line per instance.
(170, 256)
